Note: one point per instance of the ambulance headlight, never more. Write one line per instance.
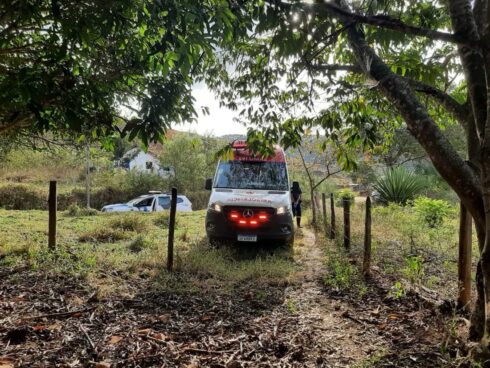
(282, 210)
(216, 207)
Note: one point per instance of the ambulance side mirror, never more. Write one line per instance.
(209, 184)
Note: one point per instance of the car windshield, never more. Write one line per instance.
(135, 201)
(252, 175)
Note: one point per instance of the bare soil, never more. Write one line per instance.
(59, 321)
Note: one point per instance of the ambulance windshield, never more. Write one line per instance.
(264, 175)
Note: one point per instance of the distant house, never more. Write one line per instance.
(138, 160)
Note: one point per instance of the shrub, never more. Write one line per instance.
(102, 234)
(432, 211)
(199, 199)
(398, 186)
(414, 268)
(138, 244)
(345, 194)
(129, 222)
(162, 218)
(74, 211)
(22, 197)
(101, 197)
(140, 183)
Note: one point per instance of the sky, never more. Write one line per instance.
(220, 119)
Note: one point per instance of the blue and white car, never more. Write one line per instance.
(153, 202)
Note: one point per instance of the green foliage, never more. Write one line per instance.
(128, 222)
(74, 211)
(136, 183)
(342, 274)
(398, 186)
(435, 185)
(413, 269)
(267, 86)
(397, 291)
(102, 234)
(432, 211)
(345, 193)
(82, 61)
(114, 229)
(291, 306)
(22, 197)
(193, 160)
(138, 244)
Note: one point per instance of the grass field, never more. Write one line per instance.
(404, 247)
(109, 249)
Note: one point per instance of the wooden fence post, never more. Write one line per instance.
(332, 217)
(171, 230)
(324, 209)
(52, 207)
(366, 265)
(346, 205)
(464, 260)
(317, 205)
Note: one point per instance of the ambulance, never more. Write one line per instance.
(250, 199)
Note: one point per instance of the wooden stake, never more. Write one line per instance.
(87, 177)
(346, 205)
(52, 206)
(332, 217)
(171, 230)
(366, 265)
(464, 261)
(324, 209)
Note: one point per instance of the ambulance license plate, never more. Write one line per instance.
(247, 238)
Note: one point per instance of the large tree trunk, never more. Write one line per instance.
(471, 184)
(478, 315)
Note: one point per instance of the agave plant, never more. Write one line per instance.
(398, 185)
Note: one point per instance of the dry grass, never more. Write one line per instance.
(406, 247)
(111, 249)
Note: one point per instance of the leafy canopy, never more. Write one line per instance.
(296, 71)
(98, 67)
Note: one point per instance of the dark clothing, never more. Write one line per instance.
(296, 195)
(297, 209)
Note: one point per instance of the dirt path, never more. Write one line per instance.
(338, 343)
(372, 328)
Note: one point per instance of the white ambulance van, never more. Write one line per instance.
(250, 198)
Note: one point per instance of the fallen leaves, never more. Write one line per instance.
(6, 362)
(103, 365)
(113, 340)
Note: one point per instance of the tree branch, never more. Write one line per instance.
(417, 158)
(463, 23)
(459, 111)
(305, 166)
(385, 21)
(444, 157)
(325, 178)
(334, 68)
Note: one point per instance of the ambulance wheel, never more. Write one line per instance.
(290, 242)
(214, 241)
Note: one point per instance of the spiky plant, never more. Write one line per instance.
(398, 185)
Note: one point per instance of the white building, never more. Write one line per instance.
(144, 162)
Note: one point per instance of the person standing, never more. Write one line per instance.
(296, 202)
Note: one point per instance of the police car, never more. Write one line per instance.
(154, 201)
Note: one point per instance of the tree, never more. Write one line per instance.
(373, 66)
(319, 165)
(192, 160)
(93, 68)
